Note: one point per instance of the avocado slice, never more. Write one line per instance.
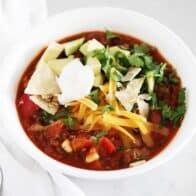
(72, 46)
(51, 53)
(57, 65)
(114, 49)
(88, 48)
(95, 64)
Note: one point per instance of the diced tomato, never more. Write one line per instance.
(28, 108)
(155, 116)
(54, 130)
(81, 142)
(108, 145)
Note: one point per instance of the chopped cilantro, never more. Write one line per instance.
(110, 35)
(99, 135)
(69, 121)
(106, 60)
(181, 96)
(95, 96)
(142, 48)
(172, 78)
(167, 112)
(154, 101)
(148, 60)
(119, 67)
(108, 108)
(115, 75)
(63, 113)
(136, 60)
(46, 117)
(177, 114)
(122, 59)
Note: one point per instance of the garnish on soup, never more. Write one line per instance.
(101, 100)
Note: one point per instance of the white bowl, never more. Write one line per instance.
(98, 18)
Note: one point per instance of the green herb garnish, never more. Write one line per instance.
(47, 118)
(121, 59)
(108, 108)
(99, 135)
(177, 114)
(142, 48)
(63, 113)
(172, 78)
(136, 60)
(110, 35)
(70, 122)
(154, 100)
(116, 75)
(181, 96)
(167, 112)
(106, 60)
(95, 96)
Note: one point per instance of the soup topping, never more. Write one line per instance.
(101, 100)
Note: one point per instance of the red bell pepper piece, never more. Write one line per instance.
(80, 142)
(28, 108)
(108, 145)
(54, 130)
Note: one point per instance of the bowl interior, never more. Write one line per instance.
(99, 18)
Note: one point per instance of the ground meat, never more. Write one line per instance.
(155, 116)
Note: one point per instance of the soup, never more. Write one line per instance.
(100, 101)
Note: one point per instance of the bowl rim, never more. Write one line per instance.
(42, 158)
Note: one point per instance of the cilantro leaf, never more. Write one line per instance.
(142, 48)
(167, 112)
(63, 113)
(108, 108)
(110, 35)
(159, 72)
(47, 118)
(95, 96)
(136, 60)
(116, 75)
(99, 135)
(121, 58)
(154, 100)
(177, 114)
(70, 122)
(119, 67)
(181, 96)
(172, 78)
(148, 60)
(106, 60)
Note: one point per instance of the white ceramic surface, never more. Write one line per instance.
(128, 22)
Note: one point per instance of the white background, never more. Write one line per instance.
(178, 176)
(175, 178)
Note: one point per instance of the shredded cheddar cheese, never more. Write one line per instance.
(91, 116)
(89, 103)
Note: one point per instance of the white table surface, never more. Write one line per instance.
(178, 176)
